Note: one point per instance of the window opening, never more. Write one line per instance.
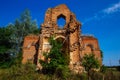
(61, 21)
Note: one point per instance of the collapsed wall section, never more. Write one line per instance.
(30, 49)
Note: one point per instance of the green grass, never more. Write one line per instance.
(27, 72)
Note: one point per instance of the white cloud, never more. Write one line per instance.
(112, 9)
(104, 13)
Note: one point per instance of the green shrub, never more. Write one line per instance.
(22, 72)
(95, 75)
(62, 72)
(55, 63)
(112, 75)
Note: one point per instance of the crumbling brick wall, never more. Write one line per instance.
(76, 44)
(30, 49)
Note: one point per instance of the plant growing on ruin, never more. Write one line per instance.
(55, 62)
(89, 62)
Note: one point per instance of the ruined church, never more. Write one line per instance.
(77, 44)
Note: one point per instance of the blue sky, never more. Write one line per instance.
(100, 18)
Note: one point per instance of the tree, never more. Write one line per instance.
(22, 27)
(89, 62)
(11, 37)
(55, 62)
(4, 39)
(5, 45)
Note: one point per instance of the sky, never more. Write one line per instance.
(100, 18)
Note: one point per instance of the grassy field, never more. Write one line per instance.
(27, 72)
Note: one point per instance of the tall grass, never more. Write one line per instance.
(27, 72)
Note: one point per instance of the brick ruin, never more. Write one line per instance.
(76, 43)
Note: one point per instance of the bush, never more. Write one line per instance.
(62, 72)
(112, 75)
(55, 61)
(23, 72)
(95, 75)
(27, 72)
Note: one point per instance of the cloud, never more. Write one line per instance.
(112, 9)
(104, 13)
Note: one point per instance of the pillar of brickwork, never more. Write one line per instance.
(74, 43)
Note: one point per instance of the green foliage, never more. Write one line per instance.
(103, 69)
(81, 76)
(20, 29)
(109, 76)
(94, 75)
(11, 38)
(55, 61)
(5, 45)
(5, 60)
(27, 72)
(21, 72)
(62, 71)
(89, 62)
(4, 40)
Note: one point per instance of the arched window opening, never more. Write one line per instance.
(61, 21)
(89, 48)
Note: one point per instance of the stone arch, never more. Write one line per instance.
(64, 42)
(60, 36)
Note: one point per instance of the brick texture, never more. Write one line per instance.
(76, 44)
